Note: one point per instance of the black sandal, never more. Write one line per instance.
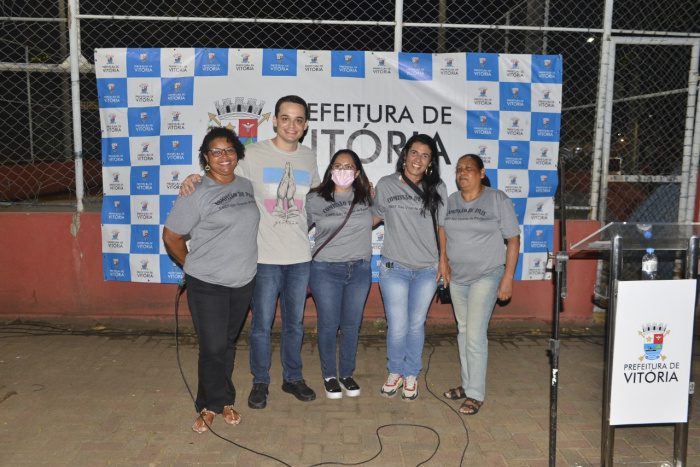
(470, 406)
(455, 393)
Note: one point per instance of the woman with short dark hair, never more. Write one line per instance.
(221, 220)
(479, 221)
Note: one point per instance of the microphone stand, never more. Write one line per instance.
(560, 260)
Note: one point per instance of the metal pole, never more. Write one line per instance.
(545, 25)
(398, 27)
(560, 294)
(695, 146)
(607, 442)
(74, 40)
(64, 50)
(600, 108)
(29, 106)
(554, 345)
(605, 154)
(442, 19)
(683, 205)
(506, 36)
(680, 430)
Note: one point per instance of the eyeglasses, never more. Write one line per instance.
(424, 155)
(222, 152)
(343, 167)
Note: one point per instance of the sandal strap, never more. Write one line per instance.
(229, 411)
(201, 424)
(473, 406)
(455, 393)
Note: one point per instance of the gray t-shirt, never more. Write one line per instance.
(354, 241)
(409, 237)
(475, 233)
(222, 222)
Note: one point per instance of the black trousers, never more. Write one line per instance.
(218, 314)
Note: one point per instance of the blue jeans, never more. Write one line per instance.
(406, 294)
(473, 305)
(289, 282)
(340, 290)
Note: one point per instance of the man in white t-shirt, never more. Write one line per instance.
(282, 172)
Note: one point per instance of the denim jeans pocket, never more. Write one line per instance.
(383, 270)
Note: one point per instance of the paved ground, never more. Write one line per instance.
(119, 399)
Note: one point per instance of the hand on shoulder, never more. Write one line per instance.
(187, 187)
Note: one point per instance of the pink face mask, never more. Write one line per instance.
(343, 178)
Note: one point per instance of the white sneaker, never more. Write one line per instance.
(394, 382)
(332, 387)
(350, 386)
(410, 389)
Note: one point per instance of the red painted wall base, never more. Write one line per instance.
(51, 267)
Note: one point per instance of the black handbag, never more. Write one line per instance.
(443, 293)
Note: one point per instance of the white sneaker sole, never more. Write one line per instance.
(349, 392)
(334, 395)
(391, 393)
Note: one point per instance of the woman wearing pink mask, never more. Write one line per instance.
(340, 270)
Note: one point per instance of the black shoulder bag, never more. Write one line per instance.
(443, 293)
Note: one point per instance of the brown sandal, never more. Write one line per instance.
(470, 406)
(230, 415)
(204, 421)
(455, 393)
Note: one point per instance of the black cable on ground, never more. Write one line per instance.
(20, 329)
(381, 446)
(460, 416)
(180, 291)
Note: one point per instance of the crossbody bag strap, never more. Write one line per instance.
(433, 214)
(413, 186)
(345, 221)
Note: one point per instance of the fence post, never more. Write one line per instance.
(686, 203)
(545, 25)
(695, 150)
(600, 110)
(398, 27)
(607, 137)
(74, 41)
(442, 19)
(64, 50)
(29, 104)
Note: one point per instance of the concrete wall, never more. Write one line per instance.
(51, 267)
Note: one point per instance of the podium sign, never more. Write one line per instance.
(652, 352)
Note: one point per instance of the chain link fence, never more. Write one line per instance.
(650, 100)
(35, 102)
(36, 150)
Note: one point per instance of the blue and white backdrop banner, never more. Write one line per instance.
(157, 104)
